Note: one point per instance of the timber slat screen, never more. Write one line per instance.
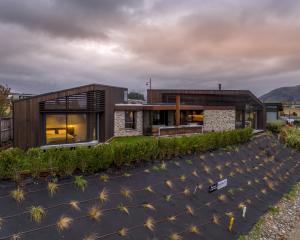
(5, 131)
(93, 101)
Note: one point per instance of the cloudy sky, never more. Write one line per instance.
(47, 45)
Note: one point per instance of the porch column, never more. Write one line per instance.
(177, 114)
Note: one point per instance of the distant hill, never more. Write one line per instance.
(284, 94)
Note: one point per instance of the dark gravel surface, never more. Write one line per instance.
(258, 174)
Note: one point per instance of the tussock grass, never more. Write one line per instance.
(52, 188)
(149, 206)
(169, 184)
(182, 178)
(104, 178)
(216, 219)
(190, 210)
(123, 208)
(172, 218)
(186, 191)
(80, 182)
(64, 223)
(103, 196)
(168, 198)
(175, 236)
(194, 229)
(126, 192)
(206, 169)
(75, 205)
(195, 173)
(95, 213)
(150, 224)
(123, 232)
(18, 195)
(222, 198)
(37, 213)
(241, 205)
(149, 189)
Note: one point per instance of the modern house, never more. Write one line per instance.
(169, 112)
(82, 114)
(94, 113)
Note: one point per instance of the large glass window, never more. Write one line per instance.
(191, 117)
(64, 128)
(130, 119)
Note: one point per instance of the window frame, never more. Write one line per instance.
(131, 122)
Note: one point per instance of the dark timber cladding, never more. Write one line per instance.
(243, 100)
(29, 122)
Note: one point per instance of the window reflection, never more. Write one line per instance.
(62, 128)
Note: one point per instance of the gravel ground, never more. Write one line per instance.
(280, 223)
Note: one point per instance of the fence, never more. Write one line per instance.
(6, 131)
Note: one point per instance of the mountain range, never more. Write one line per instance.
(283, 94)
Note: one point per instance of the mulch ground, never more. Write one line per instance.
(258, 174)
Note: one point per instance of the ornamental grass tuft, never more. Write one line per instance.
(64, 223)
(150, 224)
(18, 194)
(52, 188)
(80, 182)
(37, 213)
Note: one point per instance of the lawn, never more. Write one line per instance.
(156, 200)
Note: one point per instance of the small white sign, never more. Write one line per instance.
(244, 211)
(222, 184)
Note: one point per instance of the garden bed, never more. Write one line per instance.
(158, 200)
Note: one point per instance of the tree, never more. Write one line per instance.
(136, 95)
(4, 100)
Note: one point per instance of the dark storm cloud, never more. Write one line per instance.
(51, 44)
(67, 18)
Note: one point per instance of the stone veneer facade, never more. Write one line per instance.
(219, 120)
(119, 125)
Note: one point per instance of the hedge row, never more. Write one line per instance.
(64, 161)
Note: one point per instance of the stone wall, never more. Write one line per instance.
(219, 120)
(119, 122)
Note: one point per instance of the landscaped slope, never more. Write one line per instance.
(159, 200)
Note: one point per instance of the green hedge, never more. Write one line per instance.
(65, 161)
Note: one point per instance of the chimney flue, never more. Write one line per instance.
(220, 86)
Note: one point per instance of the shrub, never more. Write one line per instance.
(12, 163)
(292, 137)
(35, 161)
(65, 161)
(275, 126)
